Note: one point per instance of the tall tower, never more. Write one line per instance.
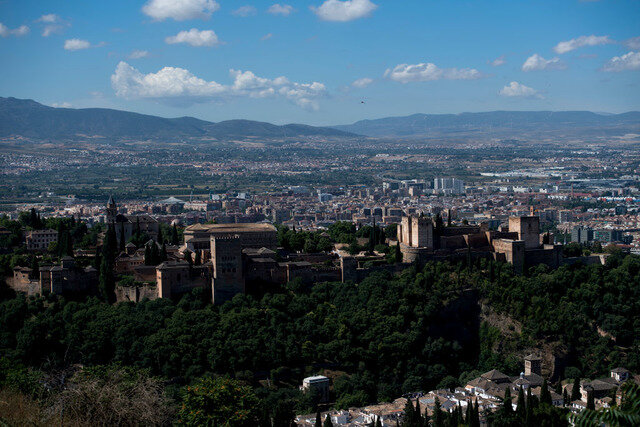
(228, 274)
(532, 365)
(112, 210)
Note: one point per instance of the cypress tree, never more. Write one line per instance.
(438, 419)
(174, 235)
(565, 397)
(107, 281)
(530, 406)
(163, 253)
(147, 255)
(418, 416)
(35, 268)
(378, 422)
(187, 257)
(591, 404)
(122, 242)
(398, 253)
(545, 394)
(198, 259)
(409, 414)
(155, 254)
(468, 414)
(475, 421)
(68, 250)
(327, 421)
(160, 238)
(318, 419)
(575, 391)
(521, 407)
(508, 407)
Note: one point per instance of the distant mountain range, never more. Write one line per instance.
(28, 118)
(499, 123)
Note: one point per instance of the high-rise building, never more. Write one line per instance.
(448, 185)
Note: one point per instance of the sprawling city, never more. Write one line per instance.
(345, 246)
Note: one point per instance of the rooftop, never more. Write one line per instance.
(231, 228)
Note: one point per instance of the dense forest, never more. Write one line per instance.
(378, 339)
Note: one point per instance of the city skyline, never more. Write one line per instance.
(322, 63)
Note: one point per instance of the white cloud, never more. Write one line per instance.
(180, 84)
(61, 105)
(76, 44)
(423, 72)
(266, 36)
(573, 44)
(498, 61)
(180, 10)
(363, 82)
(633, 43)
(53, 24)
(137, 54)
(537, 62)
(343, 11)
(280, 9)
(515, 89)
(627, 62)
(195, 37)
(20, 31)
(245, 11)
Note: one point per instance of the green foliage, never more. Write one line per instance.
(218, 402)
(627, 414)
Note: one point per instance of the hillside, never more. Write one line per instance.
(499, 123)
(27, 118)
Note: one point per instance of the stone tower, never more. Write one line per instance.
(228, 274)
(532, 365)
(112, 210)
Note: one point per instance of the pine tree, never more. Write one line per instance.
(545, 394)
(575, 391)
(508, 407)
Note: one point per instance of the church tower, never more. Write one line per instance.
(112, 210)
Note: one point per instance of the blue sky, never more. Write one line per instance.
(316, 61)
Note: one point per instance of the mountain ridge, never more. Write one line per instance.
(30, 119)
(499, 121)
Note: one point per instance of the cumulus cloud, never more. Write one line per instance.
(280, 9)
(76, 44)
(343, 11)
(195, 37)
(266, 37)
(53, 24)
(245, 11)
(20, 31)
(627, 62)
(573, 44)
(61, 105)
(633, 43)
(498, 61)
(363, 82)
(423, 72)
(537, 62)
(180, 84)
(180, 10)
(137, 54)
(515, 89)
